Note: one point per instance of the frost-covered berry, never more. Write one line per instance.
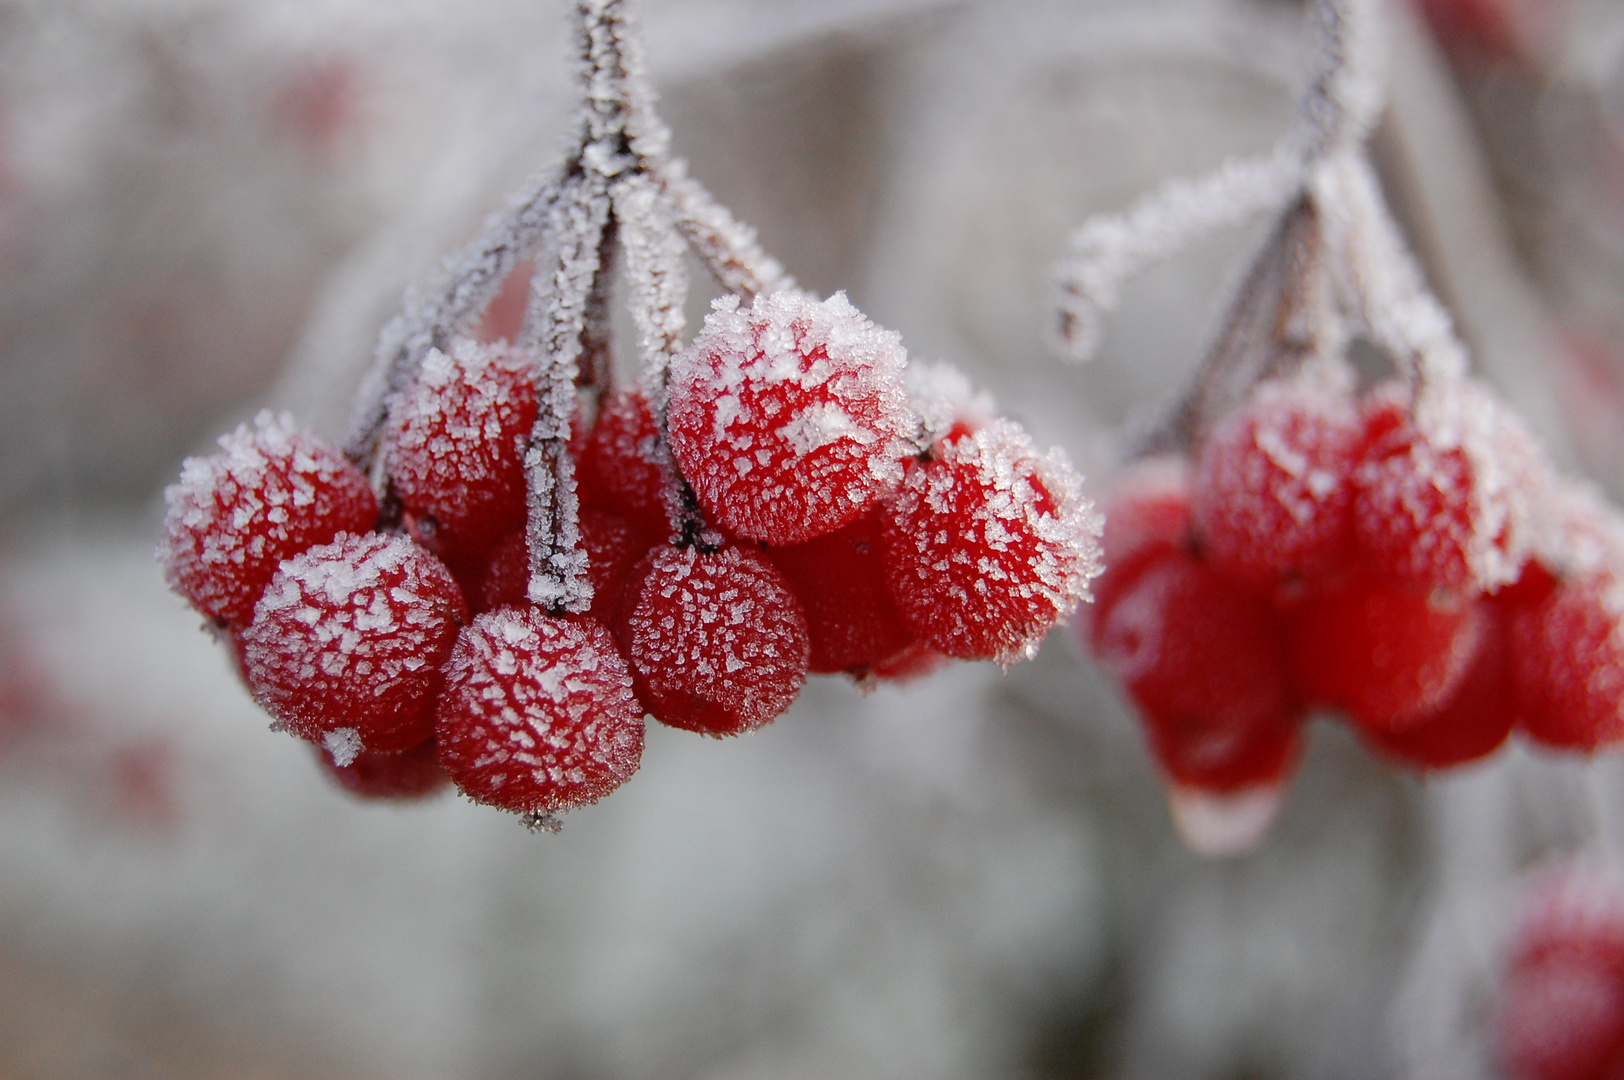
(1386, 655)
(789, 417)
(457, 441)
(271, 492)
(618, 470)
(612, 548)
(1272, 486)
(410, 774)
(1201, 656)
(347, 642)
(1568, 652)
(841, 585)
(1444, 502)
(1471, 723)
(538, 713)
(988, 544)
(717, 642)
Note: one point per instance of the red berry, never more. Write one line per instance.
(271, 492)
(538, 713)
(1147, 517)
(410, 774)
(1443, 503)
(612, 548)
(618, 470)
(988, 544)
(841, 585)
(347, 642)
(1273, 483)
(1471, 723)
(789, 417)
(1202, 658)
(716, 641)
(914, 662)
(1388, 656)
(457, 441)
(1568, 652)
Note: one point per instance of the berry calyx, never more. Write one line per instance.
(716, 641)
(537, 714)
(789, 417)
(347, 642)
(1272, 488)
(270, 493)
(988, 544)
(409, 775)
(457, 441)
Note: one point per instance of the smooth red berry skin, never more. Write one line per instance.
(1472, 723)
(1569, 663)
(271, 492)
(1272, 488)
(789, 418)
(457, 441)
(1387, 656)
(989, 544)
(1146, 518)
(717, 642)
(351, 635)
(618, 470)
(1201, 656)
(403, 777)
(852, 623)
(538, 713)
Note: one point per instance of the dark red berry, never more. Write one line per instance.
(1147, 516)
(1272, 488)
(789, 417)
(457, 441)
(1386, 655)
(612, 548)
(840, 581)
(347, 642)
(271, 492)
(410, 774)
(988, 544)
(717, 642)
(538, 713)
(1201, 656)
(618, 470)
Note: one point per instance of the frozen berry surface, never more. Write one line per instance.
(538, 713)
(717, 642)
(350, 636)
(271, 492)
(789, 417)
(989, 544)
(1569, 663)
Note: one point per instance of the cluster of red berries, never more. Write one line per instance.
(1406, 560)
(852, 524)
(1560, 1014)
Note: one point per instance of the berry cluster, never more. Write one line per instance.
(1560, 1014)
(850, 536)
(1406, 560)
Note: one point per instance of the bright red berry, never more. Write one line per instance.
(538, 713)
(841, 585)
(1273, 486)
(789, 417)
(618, 470)
(1443, 503)
(1386, 655)
(457, 441)
(1568, 652)
(1147, 516)
(270, 493)
(988, 544)
(410, 774)
(716, 641)
(347, 642)
(1201, 656)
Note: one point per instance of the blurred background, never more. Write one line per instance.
(207, 206)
